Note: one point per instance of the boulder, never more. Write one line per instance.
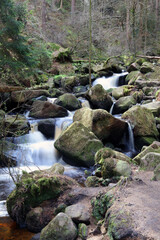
(131, 77)
(68, 83)
(156, 176)
(33, 189)
(62, 55)
(79, 213)
(122, 91)
(142, 120)
(150, 161)
(34, 220)
(147, 67)
(47, 128)
(153, 148)
(44, 109)
(78, 144)
(60, 228)
(101, 123)
(57, 168)
(99, 98)
(154, 107)
(123, 104)
(82, 231)
(133, 67)
(26, 95)
(68, 101)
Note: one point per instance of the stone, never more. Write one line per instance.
(68, 101)
(99, 98)
(150, 161)
(92, 181)
(44, 109)
(142, 121)
(132, 76)
(153, 148)
(62, 55)
(147, 67)
(47, 128)
(123, 104)
(33, 189)
(61, 228)
(34, 220)
(68, 83)
(101, 123)
(156, 176)
(133, 67)
(57, 168)
(26, 95)
(78, 144)
(154, 107)
(79, 213)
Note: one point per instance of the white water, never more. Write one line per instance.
(110, 82)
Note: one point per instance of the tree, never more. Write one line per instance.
(14, 51)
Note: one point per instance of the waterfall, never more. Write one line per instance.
(109, 82)
(131, 138)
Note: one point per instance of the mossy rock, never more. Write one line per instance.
(82, 231)
(33, 189)
(101, 204)
(132, 77)
(147, 67)
(62, 55)
(68, 101)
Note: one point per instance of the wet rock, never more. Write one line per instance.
(99, 98)
(123, 104)
(68, 101)
(45, 109)
(26, 95)
(61, 228)
(47, 128)
(101, 123)
(78, 144)
(142, 120)
(79, 213)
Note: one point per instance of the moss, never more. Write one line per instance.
(100, 204)
(82, 231)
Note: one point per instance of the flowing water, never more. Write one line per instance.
(34, 151)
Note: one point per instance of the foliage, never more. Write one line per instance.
(14, 51)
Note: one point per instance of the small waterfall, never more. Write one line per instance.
(109, 82)
(128, 142)
(131, 138)
(111, 109)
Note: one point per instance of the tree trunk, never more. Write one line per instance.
(72, 10)
(127, 24)
(43, 15)
(90, 41)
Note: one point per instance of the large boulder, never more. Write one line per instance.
(44, 109)
(79, 213)
(60, 228)
(33, 189)
(68, 101)
(99, 98)
(101, 123)
(78, 144)
(26, 95)
(142, 121)
(131, 77)
(147, 67)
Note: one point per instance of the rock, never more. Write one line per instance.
(82, 231)
(150, 161)
(154, 107)
(142, 121)
(122, 91)
(79, 213)
(33, 189)
(34, 220)
(5, 159)
(123, 104)
(36, 237)
(68, 101)
(101, 123)
(68, 83)
(133, 67)
(99, 97)
(57, 168)
(26, 95)
(147, 67)
(92, 181)
(61, 228)
(153, 148)
(47, 128)
(78, 144)
(119, 223)
(62, 55)
(44, 109)
(156, 176)
(110, 153)
(15, 125)
(132, 76)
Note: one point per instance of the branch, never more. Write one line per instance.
(148, 57)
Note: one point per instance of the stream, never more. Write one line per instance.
(34, 151)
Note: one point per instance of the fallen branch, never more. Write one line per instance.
(149, 57)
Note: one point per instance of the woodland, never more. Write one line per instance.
(79, 119)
